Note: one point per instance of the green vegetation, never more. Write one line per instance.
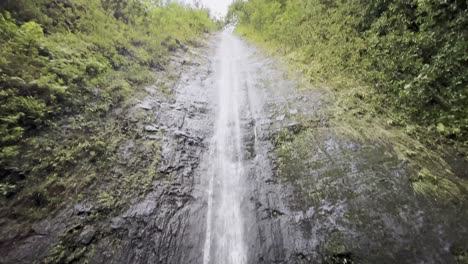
(414, 55)
(441, 188)
(64, 67)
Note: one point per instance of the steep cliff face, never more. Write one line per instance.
(126, 139)
(306, 191)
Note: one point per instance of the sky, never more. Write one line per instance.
(218, 8)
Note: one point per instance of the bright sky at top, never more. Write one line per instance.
(217, 8)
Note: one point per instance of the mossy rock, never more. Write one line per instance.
(335, 250)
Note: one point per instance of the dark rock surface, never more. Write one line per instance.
(325, 197)
(165, 227)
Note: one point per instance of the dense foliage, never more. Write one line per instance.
(65, 63)
(414, 52)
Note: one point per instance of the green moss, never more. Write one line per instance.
(68, 250)
(462, 257)
(106, 200)
(165, 89)
(430, 186)
(58, 254)
(335, 251)
(460, 252)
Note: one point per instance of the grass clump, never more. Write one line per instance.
(437, 188)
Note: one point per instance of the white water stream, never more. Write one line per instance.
(225, 227)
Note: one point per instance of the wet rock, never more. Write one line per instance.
(302, 98)
(184, 47)
(295, 127)
(126, 150)
(42, 228)
(176, 106)
(197, 108)
(154, 137)
(177, 60)
(117, 223)
(83, 209)
(151, 128)
(249, 145)
(186, 135)
(145, 106)
(87, 235)
(173, 119)
(280, 117)
(271, 181)
(272, 213)
(152, 89)
(293, 111)
(133, 119)
(144, 208)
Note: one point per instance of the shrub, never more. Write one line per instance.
(414, 53)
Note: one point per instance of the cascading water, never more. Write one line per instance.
(225, 227)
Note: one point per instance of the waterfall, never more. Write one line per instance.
(225, 227)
